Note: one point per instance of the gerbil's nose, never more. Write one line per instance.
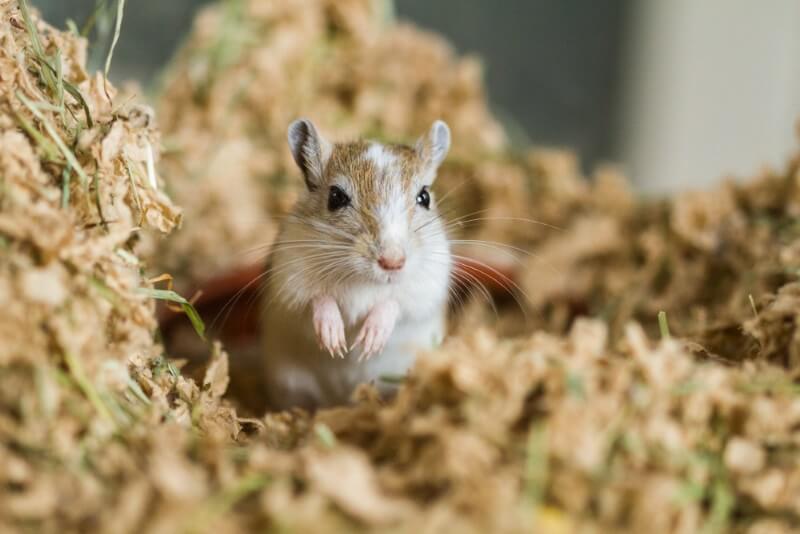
(392, 259)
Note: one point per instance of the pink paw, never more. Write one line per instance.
(377, 328)
(329, 326)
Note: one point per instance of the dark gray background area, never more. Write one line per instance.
(552, 66)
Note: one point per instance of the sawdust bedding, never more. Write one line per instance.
(583, 413)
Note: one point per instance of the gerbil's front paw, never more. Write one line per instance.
(329, 326)
(377, 328)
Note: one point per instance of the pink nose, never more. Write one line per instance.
(392, 263)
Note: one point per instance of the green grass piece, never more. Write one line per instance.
(50, 129)
(723, 501)
(97, 13)
(59, 84)
(386, 12)
(49, 76)
(135, 191)
(76, 94)
(85, 385)
(188, 309)
(137, 391)
(106, 292)
(72, 90)
(690, 492)
(48, 401)
(663, 325)
(536, 464)
(575, 385)
(115, 38)
(50, 150)
(753, 304)
(325, 435)
(128, 257)
(36, 42)
(393, 379)
(65, 180)
(162, 364)
(73, 28)
(122, 415)
(687, 388)
(52, 76)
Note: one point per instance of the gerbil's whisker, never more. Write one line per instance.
(468, 282)
(505, 248)
(317, 267)
(451, 191)
(499, 278)
(228, 307)
(437, 217)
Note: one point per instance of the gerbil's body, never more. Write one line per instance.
(301, 374)
(364, 258)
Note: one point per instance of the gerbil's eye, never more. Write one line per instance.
(337, 199)
(424, 198)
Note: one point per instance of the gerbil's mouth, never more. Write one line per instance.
(383, 276)
(391, 278)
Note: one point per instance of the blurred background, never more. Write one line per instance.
(680, 93)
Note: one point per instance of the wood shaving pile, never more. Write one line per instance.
(717, 262)
(595, 424)
(85, 392)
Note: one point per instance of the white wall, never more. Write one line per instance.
(712, 87)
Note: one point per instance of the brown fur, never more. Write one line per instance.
(349, 159)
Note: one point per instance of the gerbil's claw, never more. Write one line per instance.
(328, 326)
(377, 328)
(342, 342)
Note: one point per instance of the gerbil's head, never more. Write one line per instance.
(372, 202)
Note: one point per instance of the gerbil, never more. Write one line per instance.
(359, 275)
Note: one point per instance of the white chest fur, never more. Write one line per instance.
(299, 373)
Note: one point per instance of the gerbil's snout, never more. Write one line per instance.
(392, 233)
(392, 258)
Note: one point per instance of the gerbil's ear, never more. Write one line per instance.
(433, 146)
(310, 150)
